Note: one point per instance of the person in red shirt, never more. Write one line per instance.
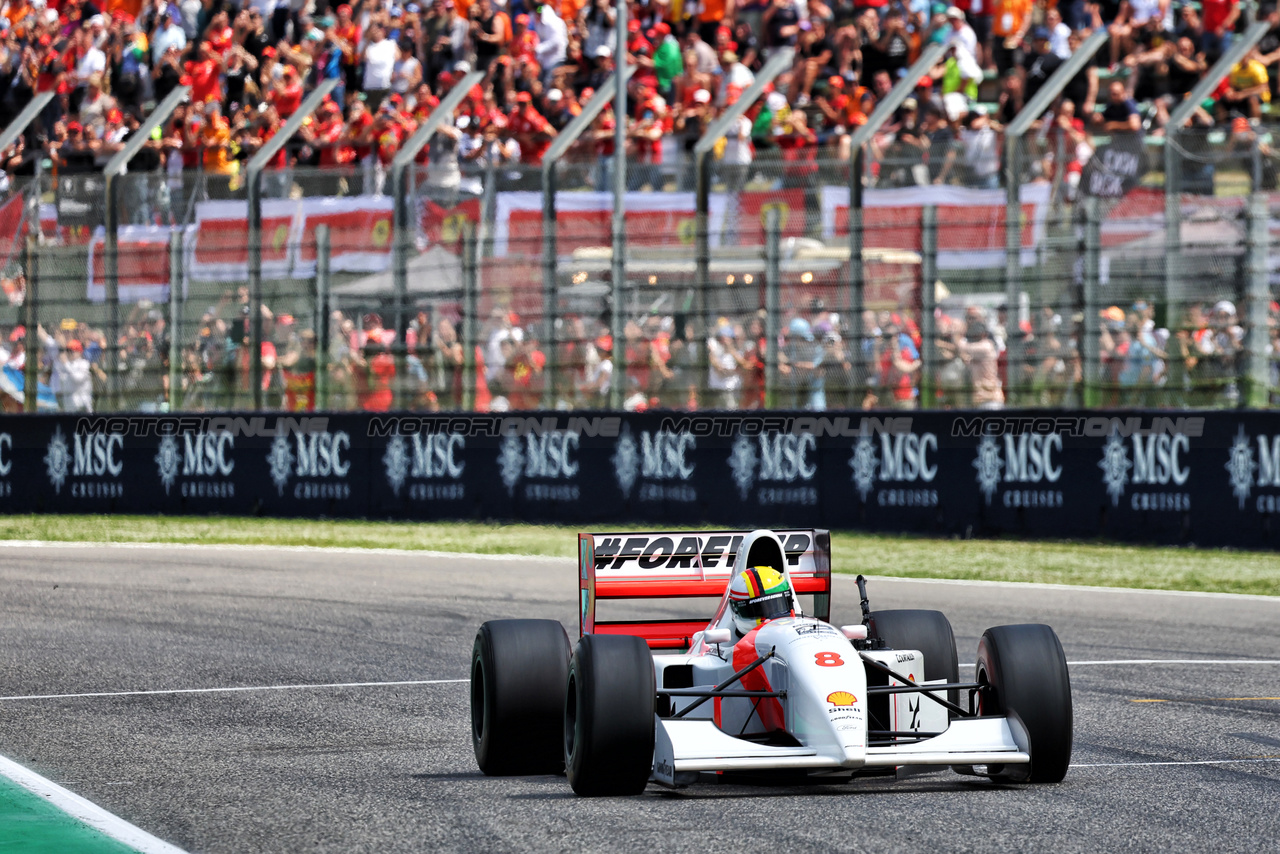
(1219, 19)
(327, 135)
(219, 34)
(374, 371)
(387, 130)
(357, 136)
(206, 75)
(531, 130)
(346, 35)
(287, 95)
(646, 138)
(299, 369)
(524, 41)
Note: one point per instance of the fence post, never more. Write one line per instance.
(1257, 372)
(549, 299)
(1089, 345)
(111, 285)
(470, 316)
(772, 304)
(855, 302)
(322, 318)
(928, 298)
(617, 319)
(31, 345)
(175, 320)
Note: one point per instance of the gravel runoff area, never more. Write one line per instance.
(178, 707)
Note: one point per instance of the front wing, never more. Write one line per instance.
(683, 747)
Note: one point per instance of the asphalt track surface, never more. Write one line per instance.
(390, 768)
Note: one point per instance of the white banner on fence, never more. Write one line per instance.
(652, 219)
(142, 263)
(976, 243)
(359, 234)
(220, 248)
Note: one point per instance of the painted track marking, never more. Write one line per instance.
(85, 811)
(1164, 661)
(321, 686)
(236, 690)
(1178, 762)
(1203, 699)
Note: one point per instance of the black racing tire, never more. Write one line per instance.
(926, 631)
(518, 671)
(1027, 673)
(608, 716)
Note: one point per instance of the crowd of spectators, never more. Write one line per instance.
(250, 63)
(982, 359)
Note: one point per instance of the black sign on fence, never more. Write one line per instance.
(1115, 168)
(1211, 478)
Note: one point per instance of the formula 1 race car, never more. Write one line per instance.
(666, 701)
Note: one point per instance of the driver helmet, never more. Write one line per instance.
(758, 594)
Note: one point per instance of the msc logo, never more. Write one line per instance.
(904, 457)
(314, 455)
(425, 456)
(1241, 466)
(1156, 461)
(782, 458)
(660, 456)
(546, 456)
(90, 455)
(96, 455)
(200, 455)
(1026, 458)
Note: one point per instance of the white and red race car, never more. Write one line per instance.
(666, 701)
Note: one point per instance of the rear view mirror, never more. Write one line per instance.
(717, 636)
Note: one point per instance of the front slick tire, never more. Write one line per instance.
(608, 716)
(926, 631)
(1027, 672)
(518, 668)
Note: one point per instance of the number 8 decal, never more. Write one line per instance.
(828, 659)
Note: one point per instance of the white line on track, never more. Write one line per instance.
(85, 811)
(236, 690)
(1041, 585)
(1117, 661)
(240, 547)
(322, 686)
(1180, 762)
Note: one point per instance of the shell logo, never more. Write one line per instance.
(841, 698)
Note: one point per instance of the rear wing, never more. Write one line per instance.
(668, 565)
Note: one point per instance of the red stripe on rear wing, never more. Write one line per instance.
(667, 565)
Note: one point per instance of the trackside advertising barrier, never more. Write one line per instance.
(1210, 478)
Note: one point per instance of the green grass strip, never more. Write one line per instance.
(1054, 562)
(32, 825)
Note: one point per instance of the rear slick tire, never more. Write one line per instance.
(609, 716)
(1027, 673)
(518, 671)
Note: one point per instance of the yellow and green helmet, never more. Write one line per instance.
(759, 594)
